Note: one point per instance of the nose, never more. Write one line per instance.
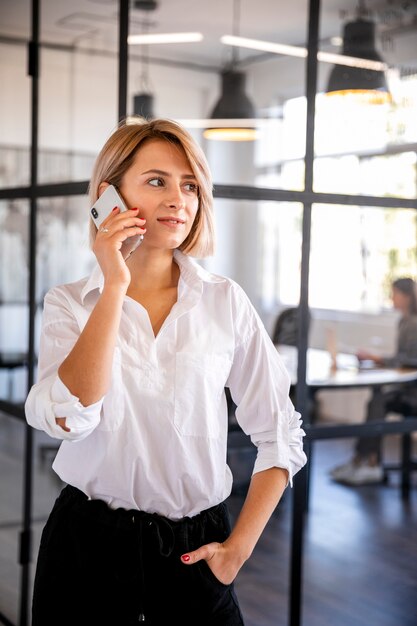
(175, 198)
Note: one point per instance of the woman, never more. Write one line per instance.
(133, 365)
(365, 467)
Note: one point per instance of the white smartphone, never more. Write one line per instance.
(103, 206)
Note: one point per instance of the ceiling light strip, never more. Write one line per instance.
(298, 51)
(342, 59)
(264, 46)
(226, 122)
(158, 38)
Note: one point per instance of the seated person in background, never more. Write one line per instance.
(365, 467)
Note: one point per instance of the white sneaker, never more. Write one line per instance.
(341, 470)
(359, 474)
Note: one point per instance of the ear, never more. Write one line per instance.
(102, 187)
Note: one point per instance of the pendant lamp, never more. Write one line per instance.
(367, 85)
(144, 100)
(235, 105)
(143, 105)
(233, 108)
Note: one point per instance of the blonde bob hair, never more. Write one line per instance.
(118, 154)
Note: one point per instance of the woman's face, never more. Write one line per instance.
(161, 183)
(400, 300)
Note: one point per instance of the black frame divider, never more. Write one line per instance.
(230, 192)
(299, 498)
(342, 431)
(25, 539)
(123, 57)
(307, 197)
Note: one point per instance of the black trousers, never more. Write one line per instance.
(102, 567)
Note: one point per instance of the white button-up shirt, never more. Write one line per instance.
(157, 441)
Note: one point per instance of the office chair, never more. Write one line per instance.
(286, 327)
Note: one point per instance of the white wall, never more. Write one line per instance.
(236, 222)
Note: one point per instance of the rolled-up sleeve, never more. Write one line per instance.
(259, 384)
(49, 398)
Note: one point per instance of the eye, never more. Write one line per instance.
(156, 182)
(193, 187)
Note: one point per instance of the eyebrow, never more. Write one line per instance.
(162, 173)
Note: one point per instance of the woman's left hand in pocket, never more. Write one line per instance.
(218, 558)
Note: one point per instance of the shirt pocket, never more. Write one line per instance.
(199, 391)
(113, 409)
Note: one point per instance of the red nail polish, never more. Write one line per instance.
(115, 208)
(185, 557)
(134, 208)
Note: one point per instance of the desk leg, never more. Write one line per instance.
(308, 446)
(405, 465)
(308, 451)
(10, 385)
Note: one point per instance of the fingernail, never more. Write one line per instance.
(185, 557)
(115, 208)
(134, 208)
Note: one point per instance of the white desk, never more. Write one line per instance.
(347, 373)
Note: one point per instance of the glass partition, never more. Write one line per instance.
(14, 247)
(63, 255)
(259, 246)
(63, 252)
(11, 454)
(13, 386)
(186, 81)
(15, 97)
(365, 108)
(355, 254)
(78, 87)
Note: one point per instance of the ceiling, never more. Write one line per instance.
(92, 24)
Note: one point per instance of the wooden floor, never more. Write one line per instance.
(360, 566)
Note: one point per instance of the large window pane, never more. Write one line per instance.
(13, 298)
(63, 253)
(78, 88)
(355, 254)
(11, 454)
(15, 96)
(185, 82)
(361, 134)
(259, 246)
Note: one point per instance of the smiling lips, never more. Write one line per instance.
(172, 221)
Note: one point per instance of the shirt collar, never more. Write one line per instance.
(95, 281)
(191, 271)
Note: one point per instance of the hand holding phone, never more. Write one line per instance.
(103, 206)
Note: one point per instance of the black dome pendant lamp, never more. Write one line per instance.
(143, 105)
(143, 101)
(368, 85)
(233, 104)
